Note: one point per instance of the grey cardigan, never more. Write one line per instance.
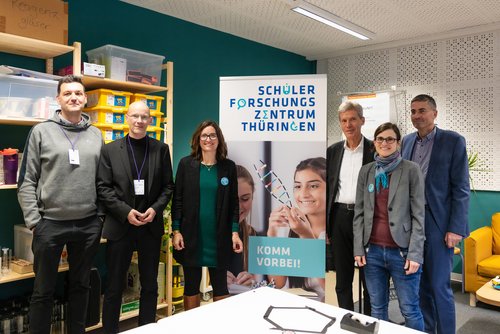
(406, 208)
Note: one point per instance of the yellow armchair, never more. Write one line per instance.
(482, 255)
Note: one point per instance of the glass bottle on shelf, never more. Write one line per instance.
(6, 258)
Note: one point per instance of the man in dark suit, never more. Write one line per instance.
(135, 184)
(344, 160)
(442, 156)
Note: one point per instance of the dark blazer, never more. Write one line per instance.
(334, 156)
(186, 208)
(447, 181)
(406, 209)
(115, 186)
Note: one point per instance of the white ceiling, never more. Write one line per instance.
(272, 22)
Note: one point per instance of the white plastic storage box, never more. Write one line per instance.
(23, 237)
(27, 97)
(127, 64)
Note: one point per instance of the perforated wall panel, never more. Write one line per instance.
(469, 58)
(337, 82)
(371, 70)
(417, 65)
(469, 111)
(460, 73)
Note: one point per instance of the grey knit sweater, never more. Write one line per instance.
(49, 186)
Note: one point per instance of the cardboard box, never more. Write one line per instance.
(41, 19)
(164, 248)
(117, 67)
(94, 70)
(21, 266)
(162, 283)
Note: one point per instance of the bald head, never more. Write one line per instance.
(138, 119)
(138, 106)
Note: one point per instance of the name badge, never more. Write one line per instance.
(139, 187)
(74, 157)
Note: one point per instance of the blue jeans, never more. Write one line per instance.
(385, 262)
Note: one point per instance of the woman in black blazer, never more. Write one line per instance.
(205, 213)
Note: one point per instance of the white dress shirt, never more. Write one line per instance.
(349, 170)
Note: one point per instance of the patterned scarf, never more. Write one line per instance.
(383, 167)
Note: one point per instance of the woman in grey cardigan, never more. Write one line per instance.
(389, 227)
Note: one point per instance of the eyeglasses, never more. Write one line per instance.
(212, 136)
(139, 117)
(388, 140)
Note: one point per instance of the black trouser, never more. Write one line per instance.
(343, 258)
(118, 256)
(81, 238)
(192, 280)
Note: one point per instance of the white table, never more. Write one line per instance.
(244, 313)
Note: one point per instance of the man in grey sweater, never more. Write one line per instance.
(57, 194)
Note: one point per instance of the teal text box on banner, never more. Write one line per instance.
(286, 256)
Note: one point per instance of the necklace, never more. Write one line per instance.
(207, 166)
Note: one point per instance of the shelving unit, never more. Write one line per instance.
(8, 186)
(20, 121)
(126, 316)
(34, 48)
(94, 83)
(134, 87)
(13, 276)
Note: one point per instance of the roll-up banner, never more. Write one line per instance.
(276, 131)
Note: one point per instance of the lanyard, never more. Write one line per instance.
(73, 144)
(139, 171)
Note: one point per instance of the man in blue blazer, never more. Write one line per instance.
(442, 156)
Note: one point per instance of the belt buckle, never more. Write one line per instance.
(348, 207)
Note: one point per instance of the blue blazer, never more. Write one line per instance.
(447, 182)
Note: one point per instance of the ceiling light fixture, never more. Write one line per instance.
(332, 20)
